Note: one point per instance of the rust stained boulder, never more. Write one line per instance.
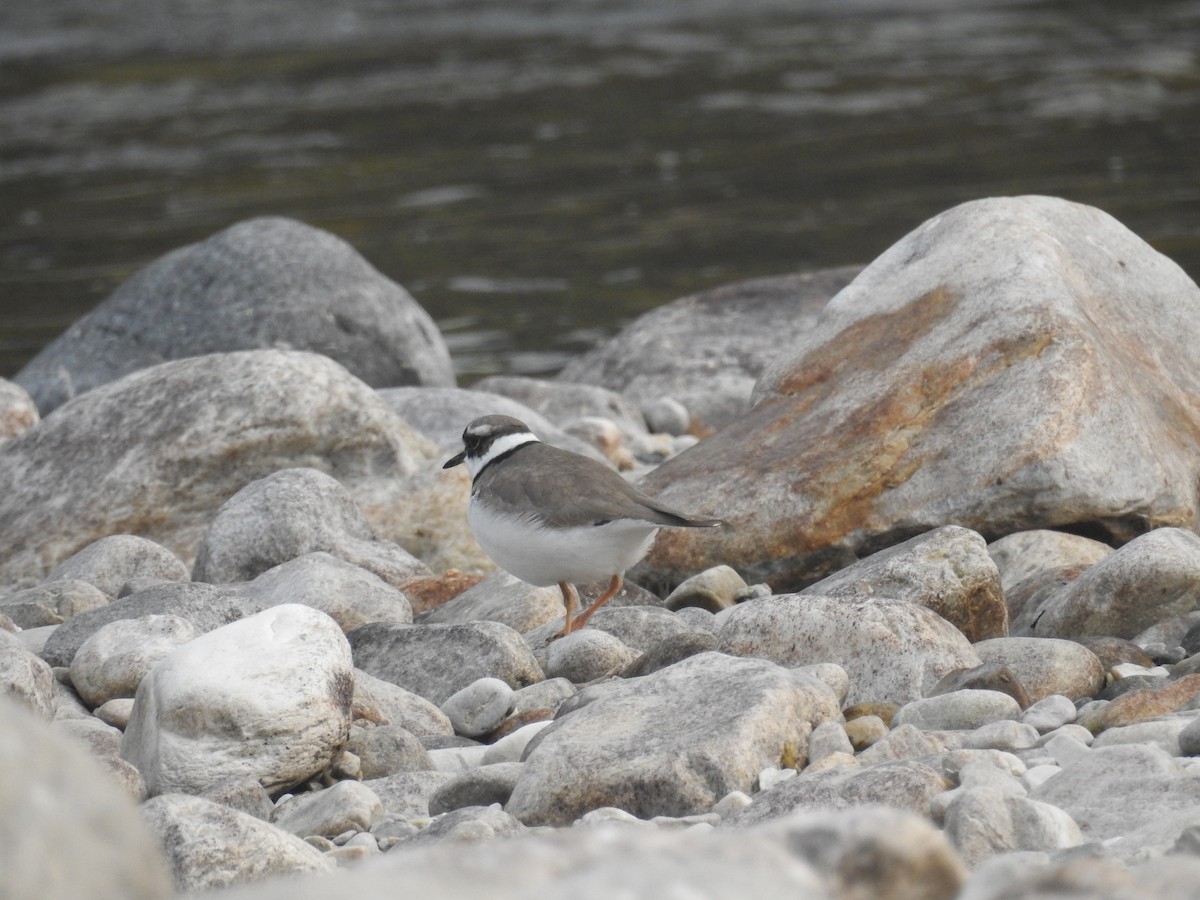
(1011, 364)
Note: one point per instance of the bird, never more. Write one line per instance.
(550, 516)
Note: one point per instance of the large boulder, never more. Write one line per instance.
(706, 350)
(262, 283)
(1013, 363)
(157, 452)
(672, 743)
(267, 697)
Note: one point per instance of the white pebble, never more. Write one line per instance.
(1038, 775)
(768, 778)
(479, 707)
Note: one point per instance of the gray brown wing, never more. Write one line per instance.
(552, 481)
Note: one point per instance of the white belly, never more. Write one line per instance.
(544, 556)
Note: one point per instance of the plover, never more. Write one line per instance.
(550, 516)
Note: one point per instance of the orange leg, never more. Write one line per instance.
(613, 587)
(570, 602)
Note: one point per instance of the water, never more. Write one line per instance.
(537, 173)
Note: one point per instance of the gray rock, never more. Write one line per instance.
(1003, 734)
(115, 712)
(280, 682)
(1046, 666)
(55, 798)
(18, 412)
(615, 863)
(901, 784)
(669, 651)
(441, 414)
(1112, 791)
(112, 562)
(713, 589)
(266, 282)
(1051, 712)
(479, 707)
(435, 661)
(385, 703)
(983, 822)
(481, 786)
(26, 679)
(386, 750)
(347, 593)
(971, 375)
(562, 402)
(672, 743)
(242, 793)
(585, 655)
(407, 794)
(500, 598)
(51, 603)
(286, 515)
(210, 846)
(344, 806)
(468, 823)
(1027, 553)
(729, 332)
(512, 747)
(827, 738)
(1189, 739)
(638, 627)
(792, 630)
(1164, 733)
(193, 432)
(957, 710)
(113, 660)
(1027, 875)
(873, 851)
(905, 741)
(947, 570)
(548, 694)
(204, 606)
(1151, 578)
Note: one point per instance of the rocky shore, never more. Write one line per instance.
(947, 647)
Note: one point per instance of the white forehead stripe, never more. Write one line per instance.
(499, 447)
(479, 430)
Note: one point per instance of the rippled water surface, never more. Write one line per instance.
(537, 173)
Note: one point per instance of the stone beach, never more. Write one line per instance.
(948, 645)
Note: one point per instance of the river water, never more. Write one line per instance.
(538, 172)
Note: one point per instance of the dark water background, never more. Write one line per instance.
(537, 173)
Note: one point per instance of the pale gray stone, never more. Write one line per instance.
(1162, 733)
(55, 799)
(637, 627)
(51, 603)
(790, 629)
(1003, 735)
(407, 794)
(1068, 747)
(957, 710)
(350, 594)
(901, 784)
(18, 412)
(223, 419)
(511, 747)
(873, 851)
(479, 707)
(666, 415)
(115, 712)
(828, 737)
(669, 651)
(113, 660)
(743, 325)
(280, 681)
(437, 660)
(1024, 554)
(973, 374)
(713, 589)
(984, 821)
(671, 743)
(1046, 666)
(546, 694)
(1111, 791)
(947, 570)
(467, 824)
(387, 749)
(111, 562)
(242, 793)
(385, 703)
(481, 786)
(902, 742)
(288, 514)
(585, 655)
(344, 806)
(206, 607)
(500, 598)
(264, 282)
(26, 679)
(1030, 875)
(457, 759)
(1153, 577)
(563, 402)
(1051, 712)
(211, 846)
